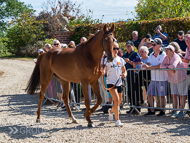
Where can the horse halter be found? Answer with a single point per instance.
(103, 41)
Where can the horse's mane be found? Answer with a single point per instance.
(91, 36)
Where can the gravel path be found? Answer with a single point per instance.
(18, 115)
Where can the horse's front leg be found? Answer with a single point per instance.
(66, 89)
(96, 90)
(87, 104)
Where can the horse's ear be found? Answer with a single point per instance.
(112, 28)
(105, 27)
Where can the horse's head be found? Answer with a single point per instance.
(108, 42)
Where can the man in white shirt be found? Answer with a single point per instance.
(158, 83)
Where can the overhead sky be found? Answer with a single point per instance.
(112, 10)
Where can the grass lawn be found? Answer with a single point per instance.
(12, 56)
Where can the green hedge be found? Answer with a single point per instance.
(123, 30)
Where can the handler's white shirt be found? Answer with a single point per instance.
(157, 75)
(114, 71)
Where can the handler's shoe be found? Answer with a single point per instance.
(179, 115)
(110, 117)
(118, 123)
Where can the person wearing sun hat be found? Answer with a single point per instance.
(158, 77)
(178, 79)
(40, 51)
(133, 89)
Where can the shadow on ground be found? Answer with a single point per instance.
(23, 104)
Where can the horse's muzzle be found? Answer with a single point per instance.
(110, 59)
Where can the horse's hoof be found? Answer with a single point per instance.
(85, 115)
(37, 120)
(75, 121)
(91, 125)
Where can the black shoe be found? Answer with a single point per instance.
(188, 113)
(162, 113)
(157, 110)
(150, 114)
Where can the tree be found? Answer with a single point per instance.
(24, 30)
(156, 9)
(10, 9)
(53, 10)
(87, 19)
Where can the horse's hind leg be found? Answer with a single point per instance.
(45, 80)
(96, 90)
(66, 89)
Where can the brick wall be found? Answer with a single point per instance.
(63, 36)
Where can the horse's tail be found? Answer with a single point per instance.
(34, 81)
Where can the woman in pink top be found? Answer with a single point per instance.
(178, 79)
(187, 54)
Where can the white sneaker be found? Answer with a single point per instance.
(118, 123)
(110, 117)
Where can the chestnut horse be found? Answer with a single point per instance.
(80, 65)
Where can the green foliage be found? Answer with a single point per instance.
(3, 46)
(123, 30)
(83, 30)
(24, 30)
(156, 9)
(12, 9)
(49, 41)
(30, 50)
(13, 56)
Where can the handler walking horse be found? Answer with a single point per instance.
(73, 65)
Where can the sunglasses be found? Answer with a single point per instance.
(115, 48)
(55, 44)
(153, 44)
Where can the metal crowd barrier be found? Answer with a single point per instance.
(135, 87)
(76, 98)
(138, 83)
